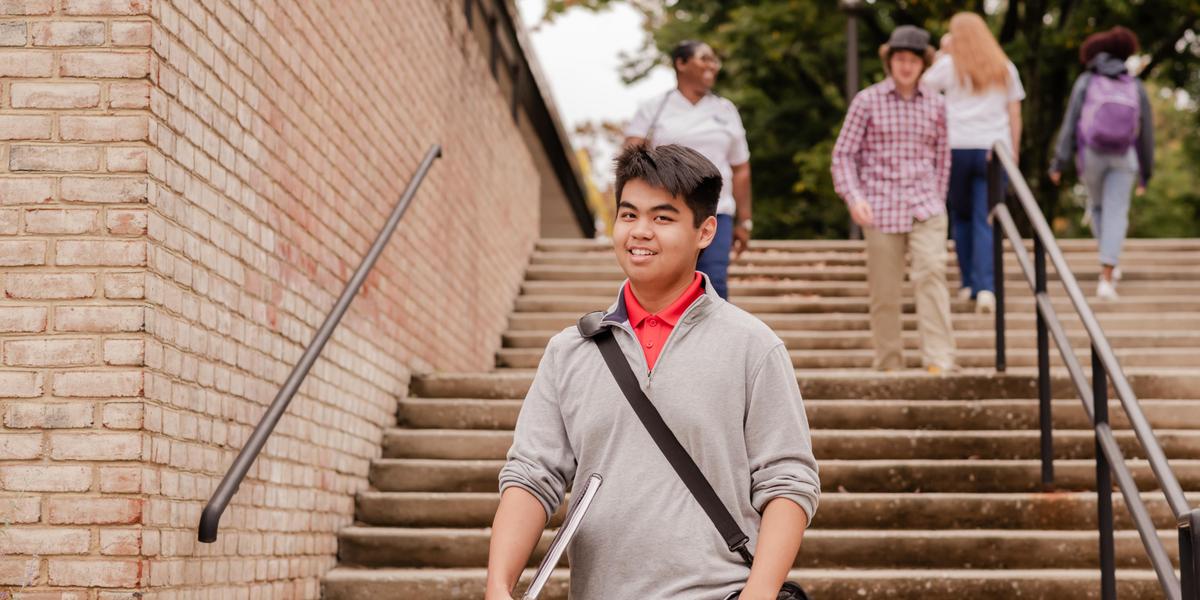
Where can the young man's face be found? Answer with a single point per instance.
(655, 238)
(906, 67)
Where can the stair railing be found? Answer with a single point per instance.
(1110, 462)
(211, 517)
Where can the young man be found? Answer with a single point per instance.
(891, 165)
(738, 413)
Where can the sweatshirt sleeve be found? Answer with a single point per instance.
(541, 460)
(1145, 142)
(1064, 146)
(777, 437)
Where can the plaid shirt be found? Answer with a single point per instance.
(893, 154)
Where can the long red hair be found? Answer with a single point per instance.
(978, 57)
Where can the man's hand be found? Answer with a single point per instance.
(741, 241)
(1055, 177)
(861, 212)
(1141, 190)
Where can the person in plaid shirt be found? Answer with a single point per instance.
(891, 165)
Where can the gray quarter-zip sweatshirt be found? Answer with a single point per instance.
(725, 385)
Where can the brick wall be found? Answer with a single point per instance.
(185, 185)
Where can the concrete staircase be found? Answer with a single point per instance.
(931, 484)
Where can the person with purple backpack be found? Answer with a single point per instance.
(1110, 130)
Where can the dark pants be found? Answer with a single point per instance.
(968, 204)
(714, 260)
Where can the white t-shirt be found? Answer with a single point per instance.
(975, 120)
(711, 127)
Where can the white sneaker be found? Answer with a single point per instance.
(1106, 290)
(985, 303)
(964, 294)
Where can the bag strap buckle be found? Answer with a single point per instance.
(740, 548)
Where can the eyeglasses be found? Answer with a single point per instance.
(710, 59)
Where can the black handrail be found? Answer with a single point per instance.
(1110, 462)
(210, 518)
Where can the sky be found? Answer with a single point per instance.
(580, 55)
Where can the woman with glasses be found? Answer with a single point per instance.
(692, 115)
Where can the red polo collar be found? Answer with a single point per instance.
(669, 315)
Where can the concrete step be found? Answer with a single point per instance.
(457, 413)
(984, 339)
(879, 476)
(743, 289)
(823, 548)
(852, 358)
(1068, 245)
(796, 258)
(960, 415)
(970, 384)
(1053, 511)
(814, 304)
(967, 415)
(345, 583)
(1131, 261)
(1015, 321)
(1082, 270)
(842, 444)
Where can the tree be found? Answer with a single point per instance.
(784, 68)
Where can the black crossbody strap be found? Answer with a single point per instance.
(674, 451)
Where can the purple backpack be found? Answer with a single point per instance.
(1111, 114)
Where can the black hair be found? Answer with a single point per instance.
(1118, 42)
(679, 170)
(684, 51)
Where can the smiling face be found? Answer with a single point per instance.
(655, 237)
(700, 69)
(906, 68)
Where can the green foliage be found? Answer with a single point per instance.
(1171, 205)
(785, 70)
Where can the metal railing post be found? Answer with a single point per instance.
(1104, 510)
(995, 197)
(1189, 558)
(1045, 418)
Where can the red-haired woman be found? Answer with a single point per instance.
(983, 108)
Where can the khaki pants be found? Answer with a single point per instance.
(885, 276)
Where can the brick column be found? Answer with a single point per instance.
(185, 186)
(74, 123)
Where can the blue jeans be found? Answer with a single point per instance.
(968, 203)
(1109, 179)
(714, 260)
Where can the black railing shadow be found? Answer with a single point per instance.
(1110, 462)
(211, 517)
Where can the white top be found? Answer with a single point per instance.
(975, 120)
(711, 127)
